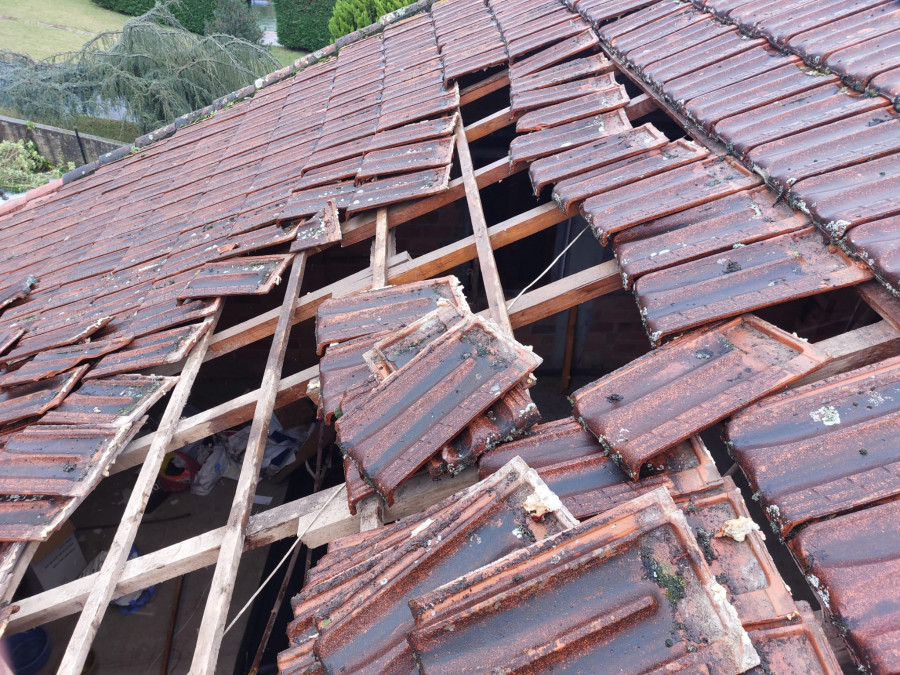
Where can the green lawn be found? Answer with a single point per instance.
(41, 28)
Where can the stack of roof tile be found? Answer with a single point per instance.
(475, 584)
(414, 380)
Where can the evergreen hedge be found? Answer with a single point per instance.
(303, 24)
(351, 15)
(192, 14)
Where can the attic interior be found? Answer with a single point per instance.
(563, 294)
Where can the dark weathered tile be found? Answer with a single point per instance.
(663, 194)
(634, 595)
(744, 279)
(687, 385)
(389, 308)
(363, 628)
(391, 433)
(823, 449)
(852, 562)
(715, 227)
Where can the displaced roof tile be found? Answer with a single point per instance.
(154, 350)
(664, 397)
(391, 433)
(619, 603)
(36, 398)
(366, 624)
(747, 278)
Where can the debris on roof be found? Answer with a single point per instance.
(396, 427)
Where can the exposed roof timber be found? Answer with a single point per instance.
(263, 529)
(120, 548)
(492, 285)
(212, 626)
(486, 86)
(533, 306)
(362, 226)
(856, 348)
(425, 266)
(882, 301)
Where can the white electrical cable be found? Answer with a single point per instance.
(283, 560)
(541, 275)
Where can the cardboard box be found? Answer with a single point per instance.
(58, 560)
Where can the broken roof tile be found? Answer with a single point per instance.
(714, 227)
(55, 361)
(510, 417)
(740, 560)
(160, 312)
(365, 626)
(664, 397)
(32, 518)
(255, 275)
(389, 308)
(157, 349)
(609, 149)
(36, 398)
(547, 444)
(823, 449)
(18, 290)
(570, 192)
(573, 109)
(9, 337)
(852, 562)
(341, 367)
(59, 460)
(664, 194)
(575, 466)
(255, 240)
(619, 603)
(38, 340)
(318, 231)
(117, 401)
(760, 274)
(794, 647)
(536, 144)
(392, 432)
